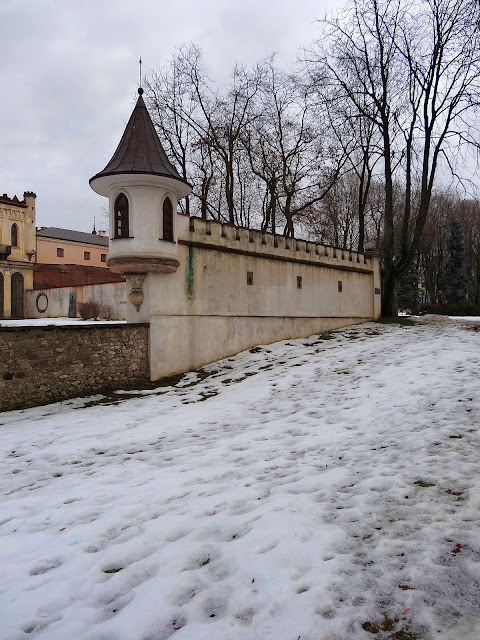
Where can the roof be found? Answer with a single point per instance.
(140, 150)
(72, 236)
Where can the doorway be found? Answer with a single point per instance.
(17, 295)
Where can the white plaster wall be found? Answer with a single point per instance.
(111, 293)
(183, 343)
(145, 223)
(207, 311)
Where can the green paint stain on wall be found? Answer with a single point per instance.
(190, 273)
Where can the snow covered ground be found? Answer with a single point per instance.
(321, 489)
(43, 322)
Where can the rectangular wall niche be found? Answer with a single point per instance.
(340, 286)
(249, 277)
(299, 282)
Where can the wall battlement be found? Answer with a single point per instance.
(251, 241)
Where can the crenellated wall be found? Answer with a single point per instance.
(236, 288)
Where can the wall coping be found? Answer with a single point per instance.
(74, 327)
(224, 236)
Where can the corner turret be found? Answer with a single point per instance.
(143, 189)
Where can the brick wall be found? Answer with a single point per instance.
(71, 275)
(40, 365)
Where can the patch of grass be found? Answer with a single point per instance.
(112, 570)
(245, 376)
(205, 561)
(406, 587)
(205, 395)
(458, 436)
(454, 493)
(424, 483)
(371, 627)
(403, 634)
(388, 624)
(256, 350)
(326, 336)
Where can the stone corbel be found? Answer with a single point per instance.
(136, 294)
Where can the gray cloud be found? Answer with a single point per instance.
(69, 72)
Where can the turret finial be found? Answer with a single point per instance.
(140, 89)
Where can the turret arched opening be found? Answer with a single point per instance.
(121, 217)
(167, 222)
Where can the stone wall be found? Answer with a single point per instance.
(45, 364)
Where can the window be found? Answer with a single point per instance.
(103, 257)
(340, 286)
(167, 220)
(249, 277)
(60, 252)
(14, 235)
(299, 282)
(86, 255)
(121, 217)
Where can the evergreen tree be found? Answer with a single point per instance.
(454, 285)
(408, 293)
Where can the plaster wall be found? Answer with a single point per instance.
(145, 195)
(111, 294)
(207, 309)
(73, 252)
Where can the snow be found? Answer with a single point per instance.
(44, 322)
(300, 490)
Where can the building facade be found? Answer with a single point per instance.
(17, 249)
(65, 246)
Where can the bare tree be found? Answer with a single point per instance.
(173, 110)
(289, 148)
(411, 69)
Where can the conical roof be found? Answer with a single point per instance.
(140, 150)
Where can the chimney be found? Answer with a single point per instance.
(102, 233)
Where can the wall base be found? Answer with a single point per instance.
(186, 343)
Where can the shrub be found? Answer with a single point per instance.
(450, 309)
(89, 309)
(106, 312)
(94, 310)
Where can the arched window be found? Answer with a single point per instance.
(121, 217)
(14, 235)
(167, 220)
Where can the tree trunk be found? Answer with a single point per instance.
(390, 295)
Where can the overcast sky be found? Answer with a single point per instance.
(69, 74)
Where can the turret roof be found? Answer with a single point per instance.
(140, 150)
